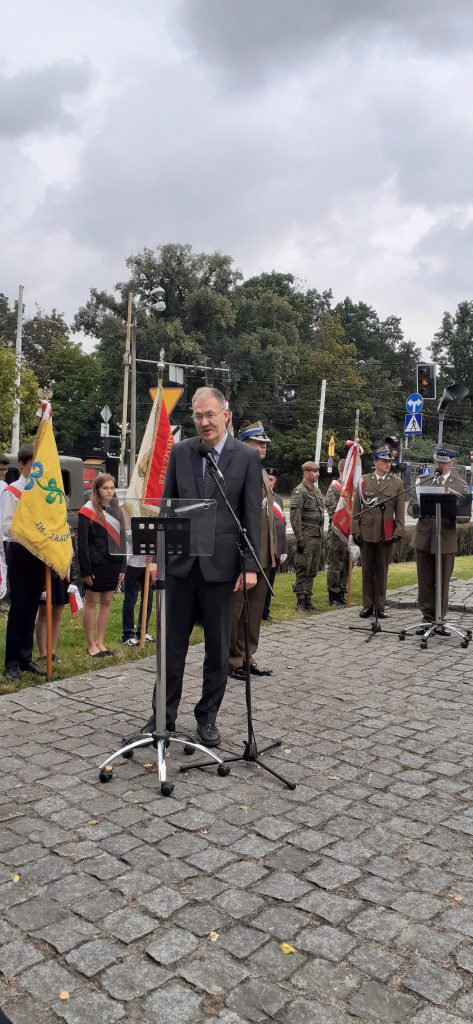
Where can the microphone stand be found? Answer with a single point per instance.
(375, 627)
(250, 752)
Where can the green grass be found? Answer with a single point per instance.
(73, 652)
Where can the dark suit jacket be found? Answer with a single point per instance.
(241, 468)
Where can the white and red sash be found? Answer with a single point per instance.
(278, 512)
(14, 490)
(109, 523)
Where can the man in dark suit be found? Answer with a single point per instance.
(203, 587)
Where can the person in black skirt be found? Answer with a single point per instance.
(101, 563)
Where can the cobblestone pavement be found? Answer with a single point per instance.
(460, 596)
(111, 893)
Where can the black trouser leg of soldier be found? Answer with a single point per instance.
(426, 584)
(368, 565)
(385, 555)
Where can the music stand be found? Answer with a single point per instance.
(440, 502)
(181, 528)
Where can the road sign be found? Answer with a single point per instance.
(413, 424)
(106, 413)
(414, 403)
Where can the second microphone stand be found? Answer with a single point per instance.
(250, 752)
(375, 627)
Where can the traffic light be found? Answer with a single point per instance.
(426, 374)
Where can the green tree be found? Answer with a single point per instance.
(28, 398)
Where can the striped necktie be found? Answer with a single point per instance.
(208, 478)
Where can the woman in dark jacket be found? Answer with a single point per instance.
(102, 565)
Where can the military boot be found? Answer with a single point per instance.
(301, 606)
(309, 607)
(333, 599)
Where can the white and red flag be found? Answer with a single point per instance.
(147, 482)
(352, 473)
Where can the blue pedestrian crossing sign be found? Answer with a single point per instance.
(413, 423)
(414, 403)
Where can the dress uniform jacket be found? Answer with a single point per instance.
(376, 531)
(307, 521)
(257, 594)
(424, 543)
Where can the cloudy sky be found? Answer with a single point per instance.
(329, 138)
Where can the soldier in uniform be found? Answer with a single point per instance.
(376, 529)
(307, 521)
(281, 538)
(424, 539)
(255, 436)
(337, 551)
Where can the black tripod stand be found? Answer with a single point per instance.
(250, 752)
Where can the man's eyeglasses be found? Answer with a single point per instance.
(198, 417)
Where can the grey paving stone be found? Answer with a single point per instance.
(418, 905)
(7, 933)
(329, 906)
(378, 890)
(103, 866)
(174, 944)
(465, 1005)
(282, 885)
(329, 982)
(381, 1005)
(35, 913)
(132, 980)
(276, 964)
(375, 961)
(92, 957)
(89, 1008)
(431, 981)
(241, 941)
(280, 921)
(27, 1010)
(66, 934)
(216, 973)
(330, 874)
(128, 924)
(242, 873)
(201, 920)
(174, 1003)
(464, 958)
(257, 1000)
(98, 905)
(46, 980)
(301, 1011)
(458, 919)
(377, 924)
(162, 902)
(431, 1015)
(324, 941)
(239, 903)
(16, 956)
(134, 883)
(427, 941)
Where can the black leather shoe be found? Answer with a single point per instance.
(12, 674)
(34, 668)
(423, 628)
(256, 671)
(441, 631)
(150, 726)
(209, 734)
(365, 613)
(237, 673)
(382, 614)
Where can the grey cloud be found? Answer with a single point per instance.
(445, 259)
(32, 101)
(250, 40)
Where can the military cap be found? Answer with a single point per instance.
(4, 460)
(383, 452)
(272, 471)
(308, 466)
(443, 453)
(254, 432)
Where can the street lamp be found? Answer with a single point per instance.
(453, 393)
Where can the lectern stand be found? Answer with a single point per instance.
(437, 502)
(181, 528)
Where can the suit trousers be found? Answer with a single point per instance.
(426, 582)
(27, 579)
(187, 601)
(375, 558)
(256, 599)
(134, 585)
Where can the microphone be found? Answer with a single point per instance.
(205, 453)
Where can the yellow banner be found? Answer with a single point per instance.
(40, 521)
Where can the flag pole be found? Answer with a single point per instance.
(144, 601)
(49, 624)
(350, 563)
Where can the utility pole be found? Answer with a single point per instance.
(318, 443)
(15, 440)
(133, 399)
(122, 472)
